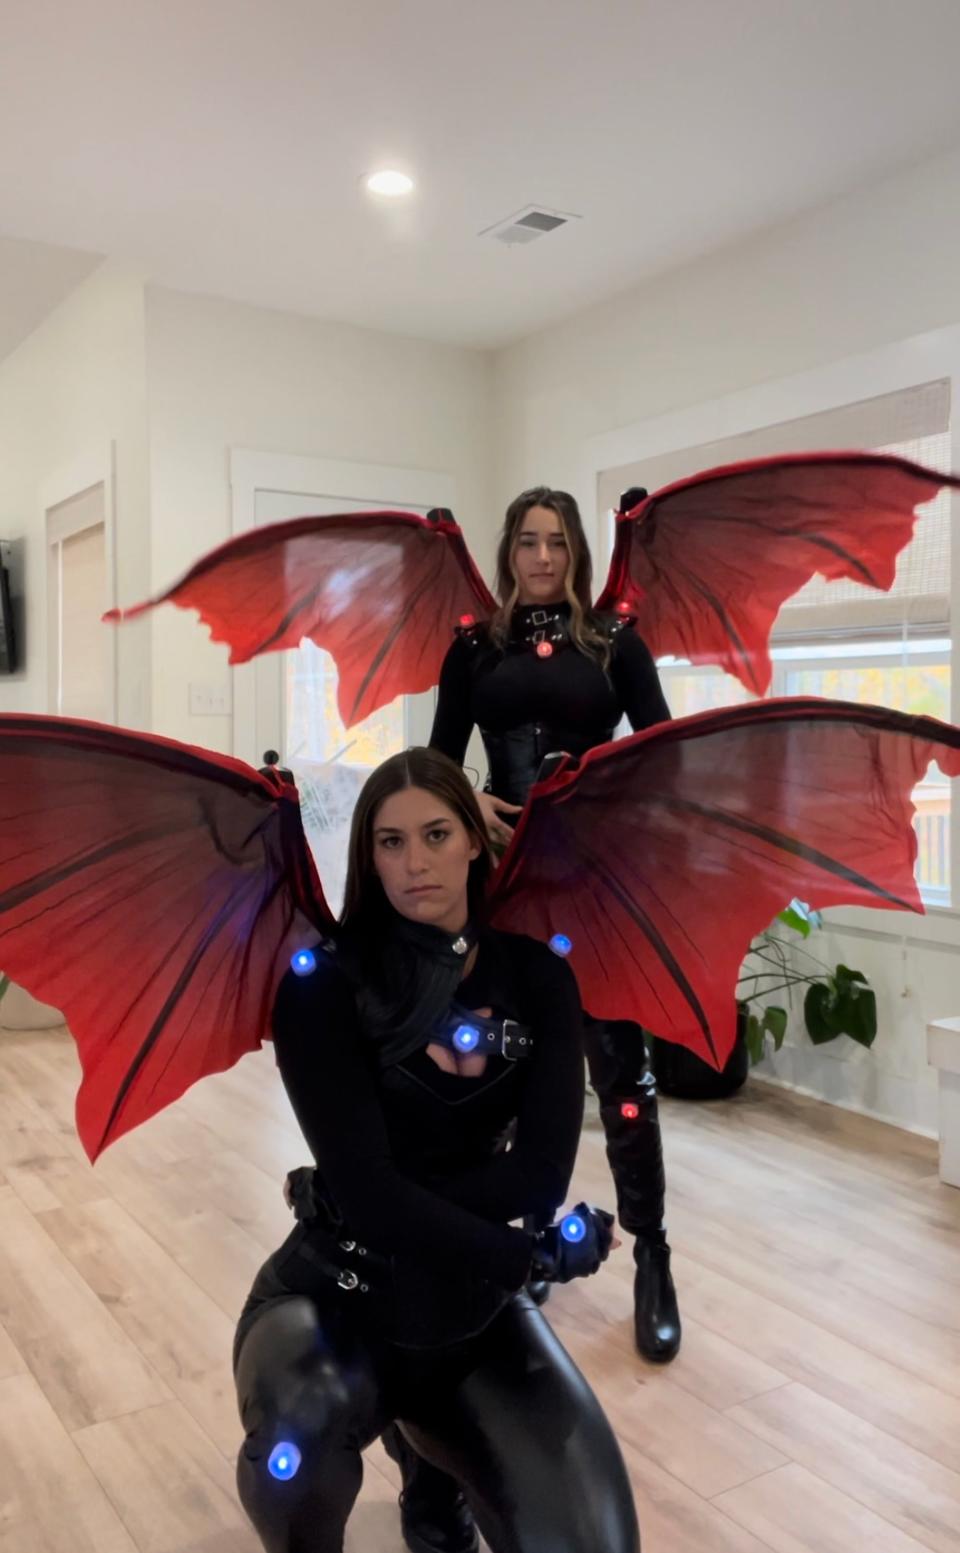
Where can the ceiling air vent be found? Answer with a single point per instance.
(525, 226)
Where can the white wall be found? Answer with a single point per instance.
(916, 979)
(72, 408)
(622, 379)
(224, 375)
(877, 266)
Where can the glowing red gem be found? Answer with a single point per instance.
(630, 1110)
(623, 608)
(544, 650)
(468, 620)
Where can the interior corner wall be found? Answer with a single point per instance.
(72, 396)
(875, 267)
(225, 375)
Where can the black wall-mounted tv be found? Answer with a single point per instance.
(8, 633)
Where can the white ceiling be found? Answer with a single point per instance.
(218, 144)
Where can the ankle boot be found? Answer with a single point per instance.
(434, 1516)
(656, 1316)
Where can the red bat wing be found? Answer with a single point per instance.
(663, 855)
(380, 591)
(706, 564)
(153, 892)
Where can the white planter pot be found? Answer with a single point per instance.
(19, 1011)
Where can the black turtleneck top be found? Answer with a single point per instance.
(565, 698)
(410, 1158)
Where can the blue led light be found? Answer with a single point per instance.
(573, 1228)
(466, 1038)
(284, 1461)
(561, 944)
(304, 962)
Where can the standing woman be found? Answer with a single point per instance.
(409, 1051)
(550, 673)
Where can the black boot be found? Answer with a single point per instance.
(434, 1516)
(656, 1316)
(627, 1092)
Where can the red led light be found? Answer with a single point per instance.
(630, 1110)
(623, 608)
(468, 620)
(544, 650)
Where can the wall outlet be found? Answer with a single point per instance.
(210, 700)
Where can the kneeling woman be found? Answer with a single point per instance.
(411, 1050)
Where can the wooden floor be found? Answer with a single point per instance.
(815, 1406)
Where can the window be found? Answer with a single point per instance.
(329, 762)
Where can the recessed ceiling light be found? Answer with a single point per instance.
(390, 183)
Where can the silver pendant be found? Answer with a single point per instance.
(460, 945)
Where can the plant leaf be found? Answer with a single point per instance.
(775, 1024)
(835, 1008)
(819, 1013)
(796, 916)
(860, 1016)
(754, 1039)
(844, 976)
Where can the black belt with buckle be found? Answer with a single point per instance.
(467, 1034)
(371, 1269)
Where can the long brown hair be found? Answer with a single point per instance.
(364, 901)
(579, 575)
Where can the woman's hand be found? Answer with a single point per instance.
(298, 1191)
(492, 808)
(470, 1065)
(568, 1250)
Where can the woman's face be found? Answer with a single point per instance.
(540, 558)
(422, 853)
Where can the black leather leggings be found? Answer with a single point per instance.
(627, 1092)
(506, 1413)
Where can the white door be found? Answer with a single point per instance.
(81, 654)
(287, 701)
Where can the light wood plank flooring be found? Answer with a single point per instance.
(815, 1406)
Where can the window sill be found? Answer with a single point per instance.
(938, 927)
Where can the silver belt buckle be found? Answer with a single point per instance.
(505, 1036)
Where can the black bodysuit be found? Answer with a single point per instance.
(529, 705)
(411, 1160)
(397, 1302)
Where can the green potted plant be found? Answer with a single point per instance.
(838, 1001)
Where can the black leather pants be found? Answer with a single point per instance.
(627, 1091)
(507, 1414)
